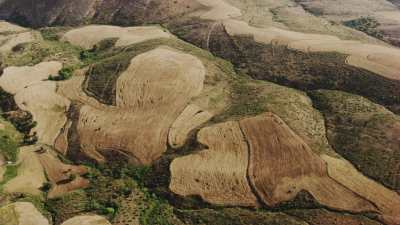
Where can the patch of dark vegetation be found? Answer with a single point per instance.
(29, 54)
(307, 71)
(322, 216)
(115, 185)
(21, 120)
(234, 216)
(102, 77)
(368, 25)
(68, 206)
(303, 200)
(11, 171)
(52, 33)
(7, 102)
(94, 54)
(245, 100)
(194, 31)
(363, 133)
(64, 74)
(9, 146)
(74, 152)
(20, 19)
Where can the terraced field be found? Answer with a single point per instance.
(189, 112)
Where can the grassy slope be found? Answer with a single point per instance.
(359, 130)
(10, 140)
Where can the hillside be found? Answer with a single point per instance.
(199, 112)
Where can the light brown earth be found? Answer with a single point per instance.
(218, 10)
(10, 41)
(15, 79)
(63, 188)
(89, 36)
(47, 108)
(217, 173)
(21, 213)
(192, 117)
(6, 27)
(72, 89)
(64, 178)
(87, 220)
(30, 173)
(145, 91)
(12, 35)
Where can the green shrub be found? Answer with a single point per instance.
(155, 211)
(11, 172)
(46, 187)
(367, 25)
(64, 74)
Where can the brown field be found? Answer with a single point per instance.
(60, 175)
(282, 165)
(218, 173)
